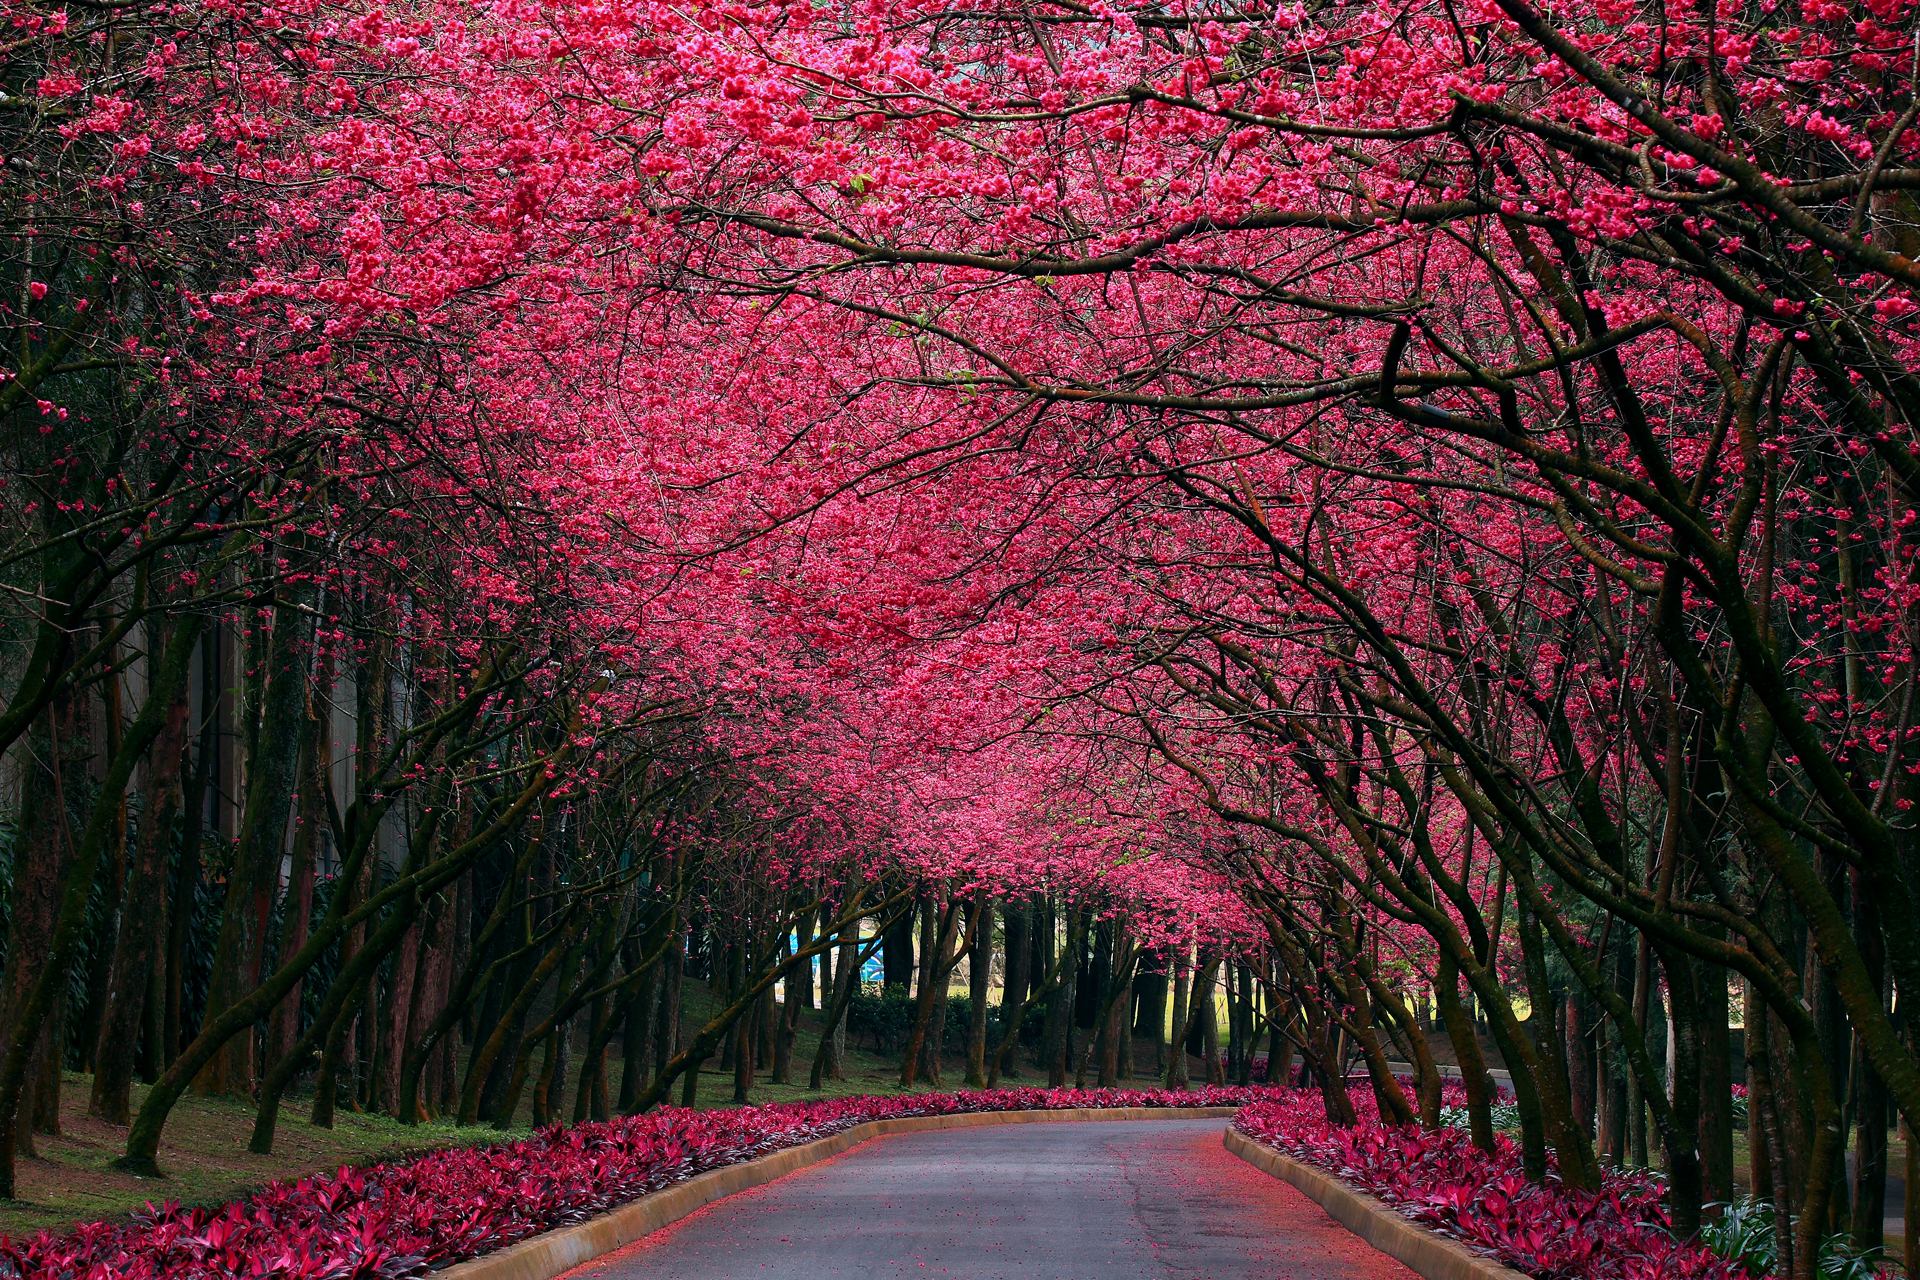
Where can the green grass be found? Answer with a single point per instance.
(203, 1152)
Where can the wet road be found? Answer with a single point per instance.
(1123, 1200)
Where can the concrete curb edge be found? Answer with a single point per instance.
(552, 1253)
(1432, 1256)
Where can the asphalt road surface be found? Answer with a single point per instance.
(1119, 1200)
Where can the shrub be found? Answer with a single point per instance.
(882, 1022)
(1505, 1115)
(1743, 1234)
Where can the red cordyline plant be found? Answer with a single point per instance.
(1440, 1180)
(392, 1220)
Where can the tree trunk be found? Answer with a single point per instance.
(846, 981)
(788, 1022)
(1576, 1038)
(937, 931)
(136, 953)
(1210, 1029)
(979, 980)
(271, 774)
(55, 763)
(1182, 997)
(1115, 1017)
(667, 1032)
(1280, 1048)
(852, 957)
(1236, 1048)
(1059, 1034)
(184, 899)
(36, 1006)
(113, 878)
(896, 954)
(394, 1011)
(345, 998)
(1151, 1023)
(800, 986)
(504, 1038)
(1716, 1085)
(1013, 993)
(764, 1030)
(742, 1040)
(1636, 1097)
(636, 1038)
(1474, 1079)
(339, 1041)
(1871, 1104)
(310, 819)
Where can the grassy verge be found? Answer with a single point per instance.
(204, 1152)
(204, 1148)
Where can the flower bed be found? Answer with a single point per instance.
(389, 1221)
(1443, 1182)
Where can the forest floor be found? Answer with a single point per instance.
(203, 1149)
(204, 1153)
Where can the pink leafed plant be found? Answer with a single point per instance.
(393, 1220)
(1442, 1181)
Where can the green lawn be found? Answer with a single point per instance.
(204, 1149)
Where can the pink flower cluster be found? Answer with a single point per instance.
(394, 1220)
(1443, 1182)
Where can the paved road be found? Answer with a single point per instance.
(1122, 1200)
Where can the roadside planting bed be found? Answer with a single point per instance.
(388, 1221)
(1440, 1180)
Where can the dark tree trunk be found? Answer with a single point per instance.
(271, 773)
(764, 1031)
(896, 954)
(1090, 976)
(1210, 1030)
(1018, 977)
(1474, 1079)
(1872, 1110)
(666, 1034)
(590, 1094)
(339, 1040)
(34, 1018)
(184, 899)
(55, 764)
(1150, 1020)
(922, 1057)
(152, 1059)
(1576, 1032)
(394, 1010)
(310, 819)
(1059, 1032)
(1280, 1048)
(1182, 997)
(1118, 1018)
(846, 981)
(136, 953)
(636, 1038)
(979, 987)
(113, 883)
(1716, 1085)
(800, 986)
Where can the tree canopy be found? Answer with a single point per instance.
(1407, 495)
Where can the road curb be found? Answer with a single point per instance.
(552, 1253)
(1432, 1256)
